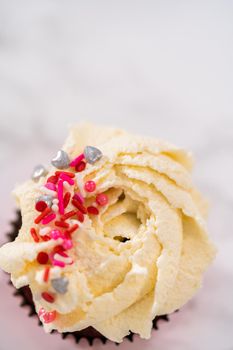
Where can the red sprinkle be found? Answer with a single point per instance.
(53, 179)
(40, 206)
(68, 215)
(48, 297)
(34, 234)
(47, 317)
(72, 228)
(45, 238)
(90, 186)
(92, 210)
(77, 160)
(80, 216)
(42, 215)
(58, 173)
(42, 258)
(61, 224)
(102, 199)
(79, 206)
(66, 199)
(46, 274)
(80, 167)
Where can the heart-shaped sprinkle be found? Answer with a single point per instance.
(61, 160)
(38, 172)
(45, 198)
(60, 285)
(92, 154)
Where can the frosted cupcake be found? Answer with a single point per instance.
(113, 234)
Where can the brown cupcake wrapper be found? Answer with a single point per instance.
(89, 333)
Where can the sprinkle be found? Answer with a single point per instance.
(55, 201)
(38, 172)
(61, 160)
(58, 173)
(79, 197)
(92, 154)
(79, 206)
(65, 177)
(46, 274)
(102, 199)
(42, 258)
(34, 235)
(44, 231)
(49, 218)
(45, 198)
(72, 228)
(55, 234)
(80, 216)
(66, 199)
(42, 215)
(68, 215)
(55, 208)
(90, 186)
(45, 238)
(48, 192)
(80, 167)
(40, 206)
(60, 285)
(61, 224)
(58, 263)
(65, 259)
(60, 197)
(47, 317)
(50, 186)
(77, 160)
(66, 185)
(53, 179)
(67, 244)
(92, 210)
(48, 297)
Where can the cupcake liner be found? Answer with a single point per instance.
(89, 333)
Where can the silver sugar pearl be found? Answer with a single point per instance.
(38, 172)
(61, 160)
(45, 198)
(60, 284)
(92, 154)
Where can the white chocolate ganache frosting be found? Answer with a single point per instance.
(113, 233)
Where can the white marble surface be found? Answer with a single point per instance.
(162, 68)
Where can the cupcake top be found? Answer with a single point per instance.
(113, 233)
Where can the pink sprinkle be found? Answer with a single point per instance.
(77, 160)
(55, 234)
(79, 197)
(48, 218)
(67, 178)
(90, 186)
(67, 244)
(50, 186)
(60, 197)
(58, 263)
(102, 199)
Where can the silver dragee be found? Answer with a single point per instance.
(61, 160)
(38, 172)
(92, 154)
(60, 285)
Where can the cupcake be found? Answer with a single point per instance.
(113, 235)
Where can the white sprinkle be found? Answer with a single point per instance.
(67, 260)
(48, 191)
(55, 208)
(55, 201)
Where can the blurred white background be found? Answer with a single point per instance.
(162, 68)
